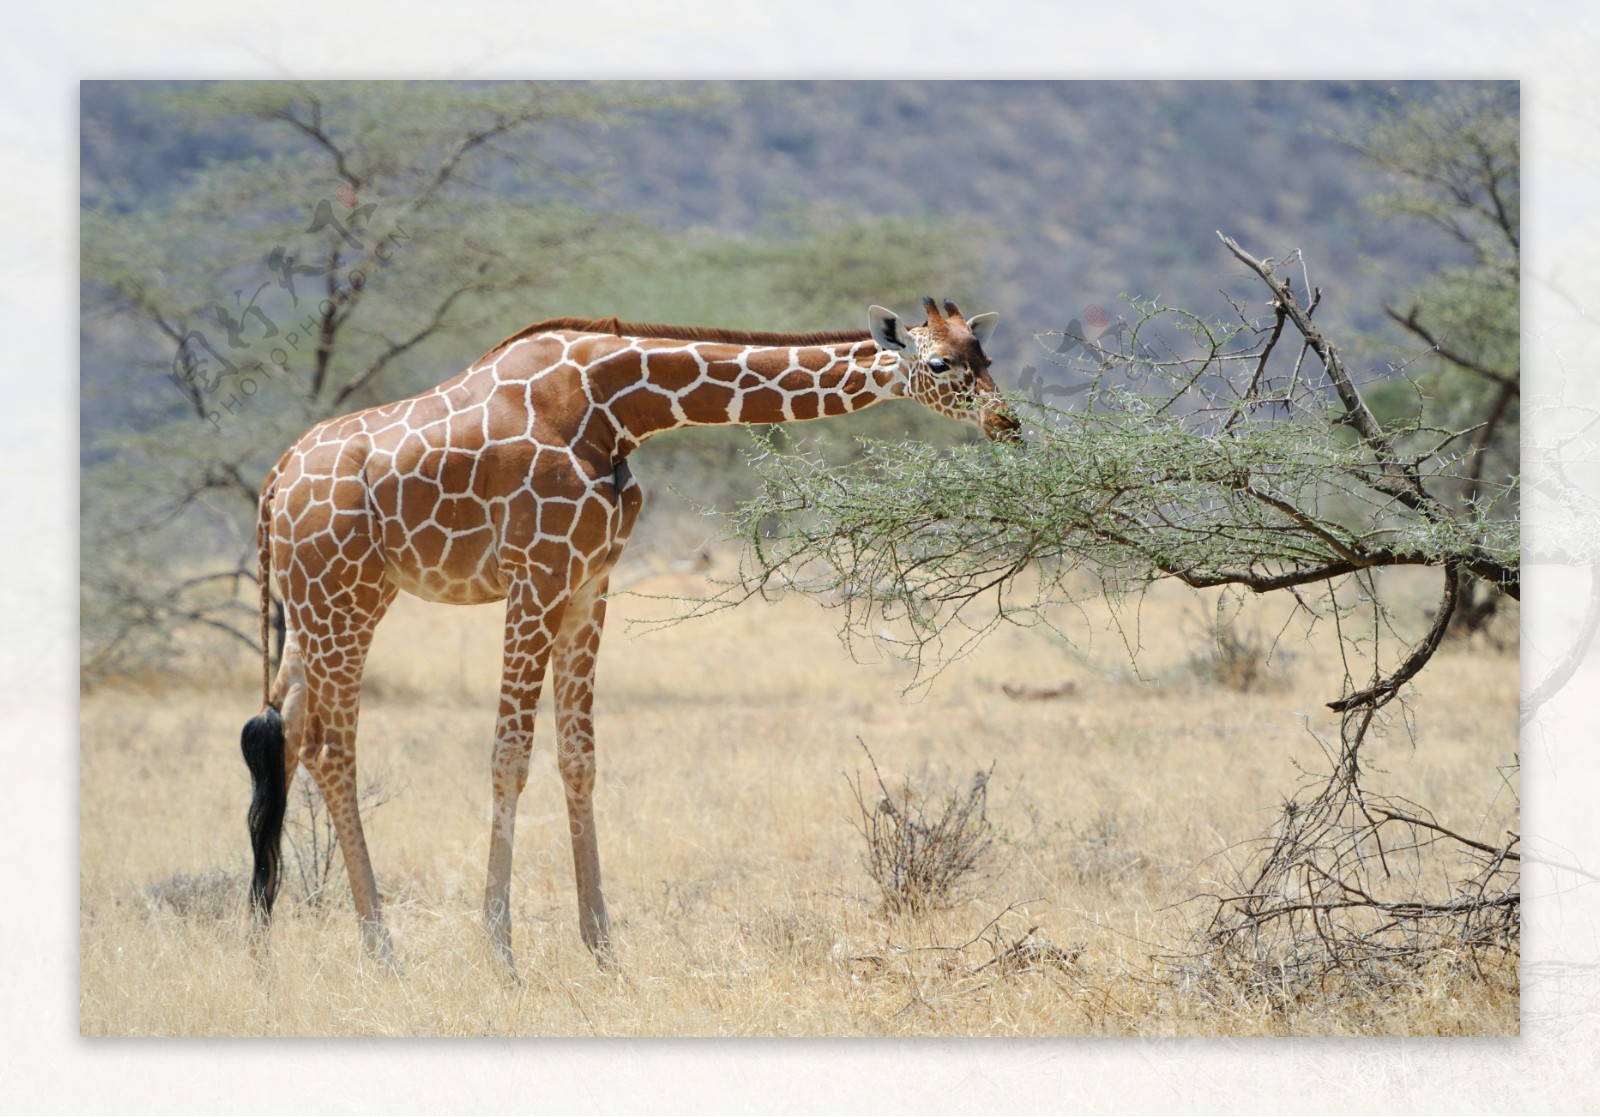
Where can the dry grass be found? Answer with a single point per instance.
(736, 882)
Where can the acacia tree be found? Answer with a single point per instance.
(1182, 467)
(371, 231)
(1239, 452)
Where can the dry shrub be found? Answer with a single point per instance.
(1361, 892)
(1235, 657)
(923, 848)
(309, 833)
(216, 896)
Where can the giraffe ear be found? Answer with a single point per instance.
(982, 326)
(885, 327)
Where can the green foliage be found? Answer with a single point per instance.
(1201, 450)
(1182, 468)
(816, 270)
(845, 264)
(1456, 162)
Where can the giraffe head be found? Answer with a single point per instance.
(944, 365)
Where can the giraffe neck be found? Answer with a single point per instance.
(650, 386)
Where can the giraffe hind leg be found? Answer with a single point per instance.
(322, 707)
(333, 767)
(534, 609)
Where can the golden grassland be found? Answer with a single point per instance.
(735, 879)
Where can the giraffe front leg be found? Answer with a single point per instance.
(574, 665)
(528, 639)
(512, 746)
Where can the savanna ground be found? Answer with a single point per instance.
(734, 874)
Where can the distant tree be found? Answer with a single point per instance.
(367, 231)
(1455, 163)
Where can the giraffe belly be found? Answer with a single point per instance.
(432, 585)
(445, 563)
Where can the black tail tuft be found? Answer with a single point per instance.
(262, 743)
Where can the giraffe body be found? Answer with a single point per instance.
(510, 482)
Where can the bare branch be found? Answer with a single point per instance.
(1355, 407)
(313, 128)
(397, 348)
(1409, 321)
(1383, 690)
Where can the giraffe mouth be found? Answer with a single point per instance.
(1000, 423)
(993, 415)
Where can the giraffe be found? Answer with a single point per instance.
(511, 481)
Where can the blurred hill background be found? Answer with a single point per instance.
(1066, 193)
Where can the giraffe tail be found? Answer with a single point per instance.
(262, 744)
(263, 572)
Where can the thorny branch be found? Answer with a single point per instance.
(1186, 471)
(1393, 476)
(1358, 890)
(1381, 691)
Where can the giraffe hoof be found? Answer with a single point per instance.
(506, 964)
(507, 969)
(605, 956)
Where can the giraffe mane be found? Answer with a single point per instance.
(682, 333)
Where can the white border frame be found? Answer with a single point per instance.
(45, 1066)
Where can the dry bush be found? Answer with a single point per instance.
(1235, 656)
(922, 849)
(216, 896)
(309, 832)
(1357, 891)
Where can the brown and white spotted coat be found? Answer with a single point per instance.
(510, 481)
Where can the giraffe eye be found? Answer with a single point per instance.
(938, 364)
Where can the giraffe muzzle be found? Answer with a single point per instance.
(1000, 423)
